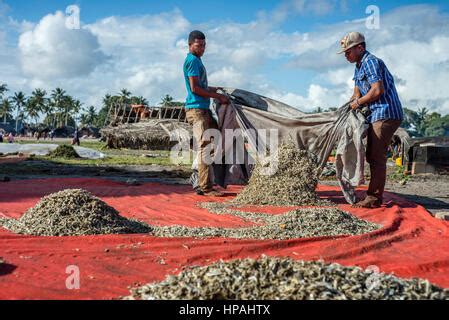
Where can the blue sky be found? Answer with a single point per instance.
(284, 49)
(199, 10)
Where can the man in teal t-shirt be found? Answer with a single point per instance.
(197, 106)
(193, 67)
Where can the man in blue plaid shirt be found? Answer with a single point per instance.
(374, 87)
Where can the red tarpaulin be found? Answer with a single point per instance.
(411, 243)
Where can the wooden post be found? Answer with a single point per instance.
(108, 115)
(129, 114)
(123, 113)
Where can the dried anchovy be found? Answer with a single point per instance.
(270, 278)
(299, 223)
(293, 182)
(64, 151)
(72, 212)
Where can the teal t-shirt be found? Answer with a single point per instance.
(193, 67)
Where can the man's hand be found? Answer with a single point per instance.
(223, 99)
(356, 95)
(377, 89)
(354, 104)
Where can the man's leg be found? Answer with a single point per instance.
(379, 138)
(201, 121)
(383, 132)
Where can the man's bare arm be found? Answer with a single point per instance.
(377, 89)
(206, 93)
(356, 94)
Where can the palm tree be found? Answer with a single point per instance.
(38, 95)
(107, 99)
(19, 100)
(139, 100)
(57, 99)
(36, 104)
(3, 89)
(88, 118)
(75, 108)
(49, 110)
(6, 109)
(32, 110)
(67, 108)
(124, 95)
(84, 119)
(421, 120)
(91, 115)
(167, 100)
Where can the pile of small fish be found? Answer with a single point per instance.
(270, 278)
(299, 223)
(289, 177)
(72, 212)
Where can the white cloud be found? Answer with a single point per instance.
(145, 54)
(51, 49)
(301, 7)
(413, 41)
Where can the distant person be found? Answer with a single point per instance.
(76, 138)
(197, 107)
(1, 137)
(375, 88)
(52, 134)
(10, 138)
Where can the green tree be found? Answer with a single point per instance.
(89, 117)
(6, 109)
(68, 108)
(167, 100)
(5, 104)
(19, 99)
(124, 95)
(57, 100)
(421, 121)
(139, 100)
(50, 113)
(104, 111)
(32, 110)
(436, 125)
(75, 109)
(36, 104)
(3, 89)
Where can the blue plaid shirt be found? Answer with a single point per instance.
(371, 70)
